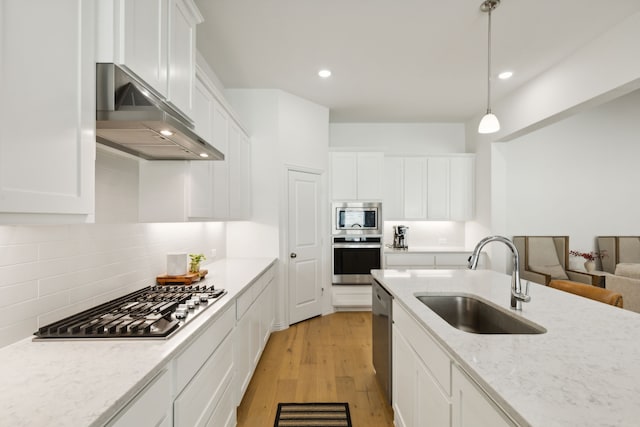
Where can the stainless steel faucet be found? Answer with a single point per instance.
(517, 297)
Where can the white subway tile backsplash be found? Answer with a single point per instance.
(33, 308)
(18, 331)
(17, 254)
(18, 273)
(51, 272)
(20, 292)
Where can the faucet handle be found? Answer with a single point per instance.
(523, 296)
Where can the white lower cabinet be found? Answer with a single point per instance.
(472, 406)
(429, 389)
(421, 376)
(151, 407)
(204, 383)
(203, 372)
(255, 318)
(431, 260)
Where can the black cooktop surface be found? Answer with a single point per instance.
(153, 312)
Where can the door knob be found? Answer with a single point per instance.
(293, 255)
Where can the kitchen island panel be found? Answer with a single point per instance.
(583, 371)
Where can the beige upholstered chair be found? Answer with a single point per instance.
(622, 267)
(546, 258)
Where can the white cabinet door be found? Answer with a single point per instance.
(239, 153)
(438, 188)
(144, 38)
(432, 405)
(357, 175)
(370, 175)
(344, 176)
(203, 110)
(415, 188)
(403, 381)
(421, 375)
(156, 40)
(472, 408)
(182, 54)
(393, 188)
(47, 123)
(462, 193)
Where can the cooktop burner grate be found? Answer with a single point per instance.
(153, 312)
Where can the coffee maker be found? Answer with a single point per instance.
(400, 237)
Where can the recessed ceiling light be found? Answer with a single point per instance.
(166, 132)
(324, 73)
(204, 155)
(505, 75)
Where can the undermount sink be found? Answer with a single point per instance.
(470, 314)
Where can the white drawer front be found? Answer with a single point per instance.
(195, 405)
(150, 407)
(459, 259)
(244, 301)
(191, 359)
(413, 260)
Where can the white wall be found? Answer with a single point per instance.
(577, 177)
(50, 272)
(399, 138)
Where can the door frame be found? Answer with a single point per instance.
(326, 306)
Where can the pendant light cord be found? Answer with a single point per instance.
(489, 62)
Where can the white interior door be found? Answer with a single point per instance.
(305, 246)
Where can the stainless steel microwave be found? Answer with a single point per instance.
(357, 218)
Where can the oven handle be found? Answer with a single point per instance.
(356, 245)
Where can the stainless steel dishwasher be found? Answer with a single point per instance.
(381, 327)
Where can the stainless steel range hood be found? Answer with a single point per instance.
(131, 117)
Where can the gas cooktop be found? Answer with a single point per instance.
(153, 312)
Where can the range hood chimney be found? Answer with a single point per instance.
(132, 117)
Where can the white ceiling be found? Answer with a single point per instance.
(395, 61)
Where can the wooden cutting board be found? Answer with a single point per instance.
(186, 280)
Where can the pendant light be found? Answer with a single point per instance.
(489, 123)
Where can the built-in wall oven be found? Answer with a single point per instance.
(357, 242)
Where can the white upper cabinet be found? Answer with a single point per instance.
(357, 175)
(239, 174)
(219, 190)
(433, 188)
(143, 40)
(184, 16)
(438, 189)
(156, 40)
(415, 188)
(393, 181)
(47, 122)
(462, 188)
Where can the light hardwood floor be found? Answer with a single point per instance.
(324, 359)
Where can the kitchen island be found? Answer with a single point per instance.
(584, 371)
(95, 382)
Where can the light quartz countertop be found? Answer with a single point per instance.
(584, 371)
(427, 249)
(86, 382)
